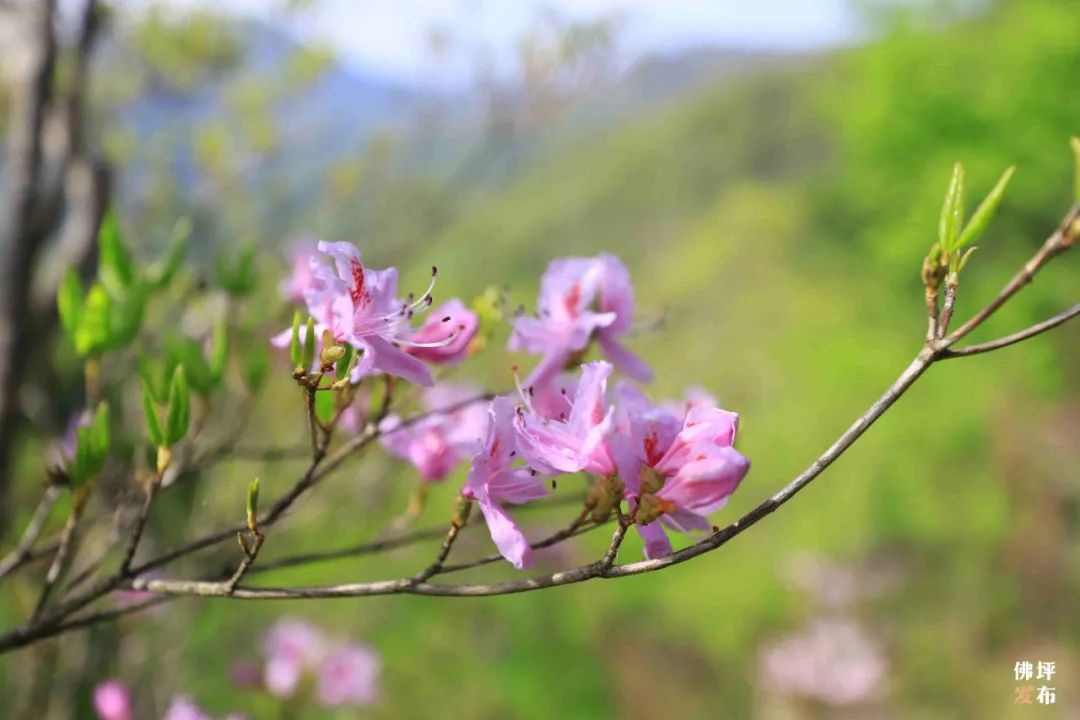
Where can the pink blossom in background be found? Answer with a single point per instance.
(493, 479)
(833, 661)
(578, 440)
(686, 468)
(184, 708)
(580, 299)
(112, 701)
(291, 646)
(344, 674)
(438, 443)
(246, 675)
(444, 338)
(300, 277)
(348, 675)
(359, 306)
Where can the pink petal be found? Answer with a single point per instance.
(507, 536)
(656, 540)
(391, 360)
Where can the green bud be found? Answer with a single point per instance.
(307, 355)
(980, 220)
(952, 210)
(650, 508)
(462, 510)
(331, 352)
(178, 413)
(295, 353)
(253, 505)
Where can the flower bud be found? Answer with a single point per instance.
(462, 509)
(650, 508)
(331, 351)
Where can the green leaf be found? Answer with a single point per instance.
(69, 302)
(219, 350)
(150, 411)
(178, 412)
(161, 272)
(91, 447)
(980, 220)
(307, 356)
(295, 353)
(345, 363)
(252, 502)
(154, 379)
(126, 317)
(116, 267)
(256, 363)
(324, 406)
(952, 210)
(92, 335)
(99, 432)
(185, 351)
(1074, 142)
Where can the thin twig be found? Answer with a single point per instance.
(1061, 240)
(250, 554)
(140, 523)
(1036, 329)
(63, 552)
(14, 559)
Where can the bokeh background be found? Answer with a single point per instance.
(771, 175)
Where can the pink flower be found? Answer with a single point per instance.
(439, 442)
(493, 480)
(580, 299)
(359, 307)
(445, 337)
(300, 277)
(675, 470)
(184, 708)
(112, 701)
(348, 676)
(290, 646)
(577, 441)
(833, 661)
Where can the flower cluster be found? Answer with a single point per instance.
(300, 663)
(672, 464)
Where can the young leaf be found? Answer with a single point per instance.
(980, 220)
(307, 356)
(324, 406)
(1075, 143)
(952, 210)
(253, 504)
(153, 426)
(99, 433)
(92, 334)
(344, 364)
(126, 317)
(161, 273)
(295, 353)
(178, 412)
(69, 302)
(256, 363)
(219, 350)
(114, 260)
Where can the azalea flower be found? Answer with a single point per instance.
(291, 646)
(675, 471)
(493, 480)
(359, 306)
(348, 676)
(580, 299)
(344, 674)
(444, 338)
(184, 708)
(442, 440)
(112, 701)
(576, 441)
(300, 276)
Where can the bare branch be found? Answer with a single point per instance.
(1036, 329)
(21, 553)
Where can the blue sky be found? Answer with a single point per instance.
(391, 36)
